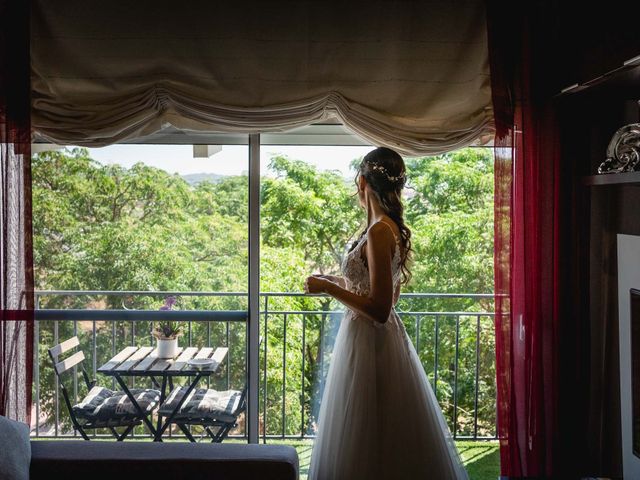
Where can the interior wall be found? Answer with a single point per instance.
(592, 216)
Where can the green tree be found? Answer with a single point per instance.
(314, 212)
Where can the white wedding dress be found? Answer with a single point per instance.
(379, 418)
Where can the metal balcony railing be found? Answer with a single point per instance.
(452, 333)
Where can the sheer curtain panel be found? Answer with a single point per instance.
(538, 385)
(16, 253)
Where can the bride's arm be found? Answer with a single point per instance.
(377, 305)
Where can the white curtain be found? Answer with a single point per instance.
(413, 76)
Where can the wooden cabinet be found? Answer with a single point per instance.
(595, 208)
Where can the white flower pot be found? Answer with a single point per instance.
(167, 347)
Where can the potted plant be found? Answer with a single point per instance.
(167, 333)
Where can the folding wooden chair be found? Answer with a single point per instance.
(216, 411)
(101, 407)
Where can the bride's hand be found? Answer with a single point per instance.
(333, 279)
(315, 284)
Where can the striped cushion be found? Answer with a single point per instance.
(103, 404)
(95, 397)
(203, 403)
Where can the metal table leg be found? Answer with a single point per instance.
(135, 403)
(163, 397)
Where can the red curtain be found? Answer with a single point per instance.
(16, 252)
(527, 247)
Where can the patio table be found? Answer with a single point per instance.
(143, 362)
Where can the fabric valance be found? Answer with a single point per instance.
(413, 76)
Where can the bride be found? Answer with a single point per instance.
(379, 418)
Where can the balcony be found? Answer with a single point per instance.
(295, 351)
(452, 333)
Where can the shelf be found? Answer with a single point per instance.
(626, 178)
(621, 81)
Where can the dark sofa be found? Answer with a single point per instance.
(147, 460)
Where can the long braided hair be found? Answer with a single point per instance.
(384, 171)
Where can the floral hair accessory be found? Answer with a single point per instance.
(382, 169)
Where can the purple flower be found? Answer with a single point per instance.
(169, 302)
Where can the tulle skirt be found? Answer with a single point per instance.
(379, 418)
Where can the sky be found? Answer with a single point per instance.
(232, 160)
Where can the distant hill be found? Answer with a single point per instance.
(196, 178)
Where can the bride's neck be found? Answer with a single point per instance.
(374, 210)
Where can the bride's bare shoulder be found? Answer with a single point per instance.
(381, 232)
(384, 225)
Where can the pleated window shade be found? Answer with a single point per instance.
(413, 76)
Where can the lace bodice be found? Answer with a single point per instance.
(355, 270)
